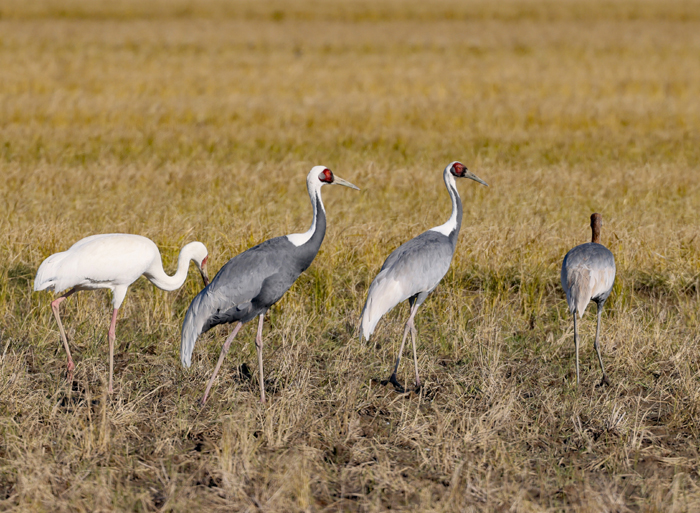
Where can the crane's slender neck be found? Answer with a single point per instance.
(157, 275)
(596, 221)
(454, 223)
(313, 237)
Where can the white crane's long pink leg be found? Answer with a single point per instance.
(54, 308)
(111, 336)
(224, 350)
(259, 348)
(409, 324)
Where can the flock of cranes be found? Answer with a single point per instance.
(251, 282)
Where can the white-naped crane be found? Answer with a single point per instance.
(588, 274)
(251, 282)
(112, 261)
(414, 269)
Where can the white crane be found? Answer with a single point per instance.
(414, 269)
(112, 261)
(588, 273)
(251, 282)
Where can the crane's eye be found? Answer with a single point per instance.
(458, 169)
(326, 176)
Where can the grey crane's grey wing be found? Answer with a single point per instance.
(602, 265)
(576, 280)
(245, 280)
(271, 289)
(427, 243)
(422, 261)
(590, 255)
(415, 267)
(228, 301)
(587, 272)
(230, 295)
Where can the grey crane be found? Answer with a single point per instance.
(414, 269)
(251, 282)
(588, 273)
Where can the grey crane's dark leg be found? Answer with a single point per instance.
(111, 336)
(259, 348)
(409, 325)
(224, 350)
(415, 356)
(54, 308)
(392, 379)
(576, 344)
(596, 345)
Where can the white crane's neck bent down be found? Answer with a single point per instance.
(453, 224)
(157, 276)
(313, 185)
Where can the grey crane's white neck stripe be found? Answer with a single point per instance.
(452, 223)
(299, 239)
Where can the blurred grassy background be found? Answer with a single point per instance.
(189, 121)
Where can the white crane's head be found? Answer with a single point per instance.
(321, 175)
(459, 170)
(197, 252)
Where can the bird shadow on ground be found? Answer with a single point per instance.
(244, 375)
(76, 397)
(427, 392)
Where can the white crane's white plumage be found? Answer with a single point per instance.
(588, 274)
(112, 261)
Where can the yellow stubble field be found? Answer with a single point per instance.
(188, 121)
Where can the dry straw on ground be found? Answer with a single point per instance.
(199, 120)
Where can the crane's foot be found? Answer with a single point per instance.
(69, 371)
(418, 388)
(604, 382)
(397, 386)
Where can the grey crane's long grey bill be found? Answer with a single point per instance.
(340, 181)
(475, 178)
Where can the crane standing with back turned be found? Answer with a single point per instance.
(588, 273)
(414, 269)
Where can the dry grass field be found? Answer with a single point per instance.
(183, 120)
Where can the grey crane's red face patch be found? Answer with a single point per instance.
(326, 176)
(459, 169)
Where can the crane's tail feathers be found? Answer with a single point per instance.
(578, 293)
(362, 335)
(371, 315)
(192, 327)
(384, 294)
(367, 327)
